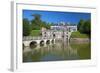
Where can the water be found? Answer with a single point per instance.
(61, 50)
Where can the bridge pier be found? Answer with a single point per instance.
(38, 41)
(45, 40)
(26, 43)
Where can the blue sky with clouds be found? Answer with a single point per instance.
(56, 17)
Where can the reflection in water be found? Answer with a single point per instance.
(61, 50)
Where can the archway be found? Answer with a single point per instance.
(48, 42)
(41, 43)
(33, 44)
(52, 40)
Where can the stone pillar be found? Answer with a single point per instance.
(38, 41)
(26, 43)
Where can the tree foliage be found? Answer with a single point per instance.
(37, 23)
(85, 26)
(26, 27)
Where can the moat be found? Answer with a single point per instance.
(58, 51)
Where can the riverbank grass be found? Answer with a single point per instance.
(35, 33)
(78, 35)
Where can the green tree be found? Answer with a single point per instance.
(80, 25)
(85, 27)
(26, 27)
(36, 22)
(46, 25)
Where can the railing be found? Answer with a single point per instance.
(25, 38)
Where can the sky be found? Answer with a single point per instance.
(57, 17)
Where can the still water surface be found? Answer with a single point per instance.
(60, 50)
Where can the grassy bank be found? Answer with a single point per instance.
(35, 33)
(78, 35)
(74, 34)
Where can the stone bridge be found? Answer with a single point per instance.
(27, 41)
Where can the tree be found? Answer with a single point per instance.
(85, 27)
(36, 22)
(80, 25)
(26, 27)
(46, 25)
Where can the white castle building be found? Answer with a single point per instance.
(69, 27)
(59, 31)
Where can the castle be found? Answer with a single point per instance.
(59, 31)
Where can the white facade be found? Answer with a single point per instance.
(72, 28)
(68, 28)
(54, 34)
(59, 31)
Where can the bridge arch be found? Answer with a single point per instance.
(48, 42)
(42, 42)
(33, 44)
(52, 41)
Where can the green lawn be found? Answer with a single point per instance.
(35, 33)
(78, 35)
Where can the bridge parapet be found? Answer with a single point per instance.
(35, 38)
